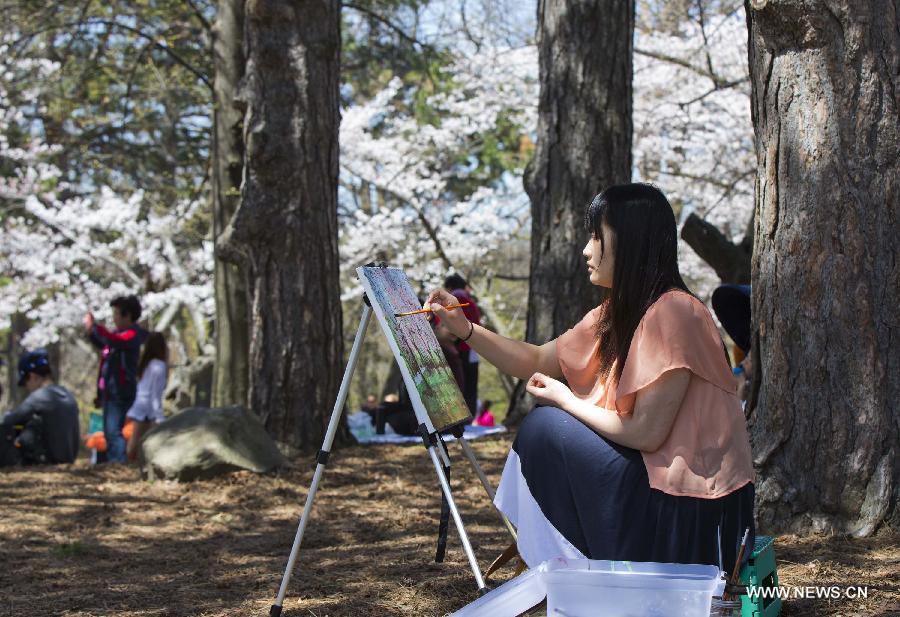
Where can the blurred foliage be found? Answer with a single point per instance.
(380, 41)
(383, 40)
(130, 103)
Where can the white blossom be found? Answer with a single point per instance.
(692, 137)
(63, 257)
(411, 166)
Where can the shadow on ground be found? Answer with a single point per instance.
(90, 541)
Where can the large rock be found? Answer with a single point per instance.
(201, 443)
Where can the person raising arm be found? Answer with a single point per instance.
(117, 375)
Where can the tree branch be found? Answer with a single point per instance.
(730, 261)
(510, 277)
(716, 87)
(709, 63)
(673, 60)
(198, 13)
(399, 30)
(726, 186)
(718, 83)
(136, 31)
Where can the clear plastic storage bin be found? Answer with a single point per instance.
(629, 589)
(589, 588)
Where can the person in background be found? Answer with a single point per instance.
(731, 304)
(485, 417)
(371, 408)
(370, 405)
(460, 289)
(117, 380)
(147, 410)
(44, 428)
(448, 341)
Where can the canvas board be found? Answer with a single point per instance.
(433, 391)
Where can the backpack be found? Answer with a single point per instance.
(24, 444)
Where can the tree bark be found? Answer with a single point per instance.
(18, 326)
(583, 146)
(824, 413)
(286, 223)
(231, 371)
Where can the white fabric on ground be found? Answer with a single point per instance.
(360, 425)
(538, 538)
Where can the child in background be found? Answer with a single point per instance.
(152, 372)
(485, 417)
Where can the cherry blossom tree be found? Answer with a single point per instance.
(429, 191)
(65, 254)
(692, 136)
(414, 215)
(67, 257)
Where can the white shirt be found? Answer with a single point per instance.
(147, 405)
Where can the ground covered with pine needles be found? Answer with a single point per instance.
(88, 541)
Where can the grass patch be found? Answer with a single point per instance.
(70, 549)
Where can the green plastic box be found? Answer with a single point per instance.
(760, 572)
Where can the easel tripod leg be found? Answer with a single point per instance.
(275, 611)
(322, 459)
(467, 450)
(467, 547)
(444, 525)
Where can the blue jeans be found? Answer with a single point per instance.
(113, 421)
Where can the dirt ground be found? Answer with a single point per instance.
(80, 540)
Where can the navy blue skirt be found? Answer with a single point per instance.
(597, 495)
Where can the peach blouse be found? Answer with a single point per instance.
(707, 452)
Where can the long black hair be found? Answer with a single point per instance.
(155, 348)
(646, 262)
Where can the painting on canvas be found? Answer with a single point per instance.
(414, 339)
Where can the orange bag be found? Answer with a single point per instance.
(128, 429)
(96, 441)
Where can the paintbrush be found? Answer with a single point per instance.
(428, 310)
(733, 580)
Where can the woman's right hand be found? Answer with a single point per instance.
(515, 358)
(455, 320)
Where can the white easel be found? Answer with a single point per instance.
(430, 438)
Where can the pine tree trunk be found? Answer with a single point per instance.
(231, 371)
(286, 224)
(826, 286)
(583, 146)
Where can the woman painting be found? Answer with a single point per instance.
(643, 453)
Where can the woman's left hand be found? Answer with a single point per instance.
(549, 391)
